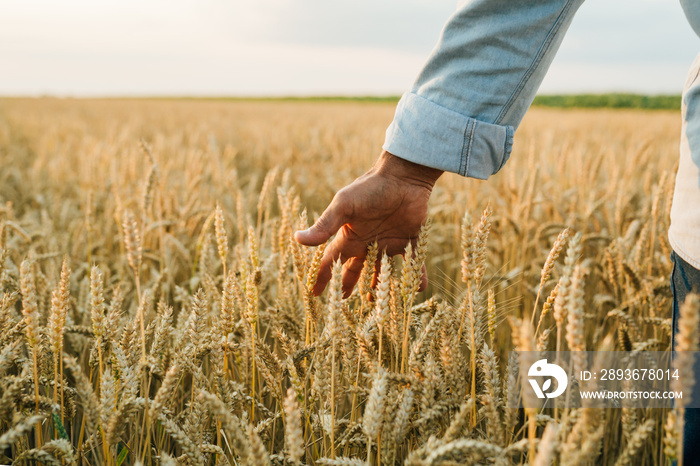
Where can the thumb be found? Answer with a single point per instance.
(326, 226)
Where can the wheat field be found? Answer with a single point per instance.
(154, 308)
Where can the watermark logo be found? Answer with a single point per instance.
(543, 369)
(603, 379)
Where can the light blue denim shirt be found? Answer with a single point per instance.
(692, 12)
(480, 80)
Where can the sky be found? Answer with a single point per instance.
(306, 47)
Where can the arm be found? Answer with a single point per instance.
(460, 117)
(692, 12)
(478, 83)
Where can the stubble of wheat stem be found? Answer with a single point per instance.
(31, 317)
(334, 322)
(548, 446)
(229, 421)
(97, 314)
(636, 443)
(671, 435)
(270, 177)
(252, 309)
(575, 337)
(382, 303)
(467, 240)
(554, 253)
(411, 277)
(526, 346)
(547, 307)
(479, 248)
(165, 392)
(559, 309)
(309, 299)
(293, 437)
(221, 238)
(188, 447)
(145, 383)
(133, 246)
(491, 312)
(374, 410)
(366, 276)
(57, 322)
(19, 429)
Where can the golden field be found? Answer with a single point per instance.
(139, 323)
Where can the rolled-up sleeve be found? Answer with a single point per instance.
(462, 112)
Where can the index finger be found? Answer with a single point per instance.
(342, 248)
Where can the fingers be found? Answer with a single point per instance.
(352, 255)
(326, 266)
(347, 246)
(351, 274)
(327, 224)
(344, 248)
(324, 275)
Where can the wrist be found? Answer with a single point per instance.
(392, 166)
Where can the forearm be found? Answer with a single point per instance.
(461, 114)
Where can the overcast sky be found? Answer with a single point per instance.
(302, 47)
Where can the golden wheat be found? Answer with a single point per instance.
(187, 321)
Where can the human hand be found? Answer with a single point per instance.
(388, 204)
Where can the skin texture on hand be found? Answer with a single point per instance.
(388, 204)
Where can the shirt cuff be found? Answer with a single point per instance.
(428, 134)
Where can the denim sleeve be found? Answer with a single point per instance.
(477, 84)
(692, 12)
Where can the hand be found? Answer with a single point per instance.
(388, 204)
